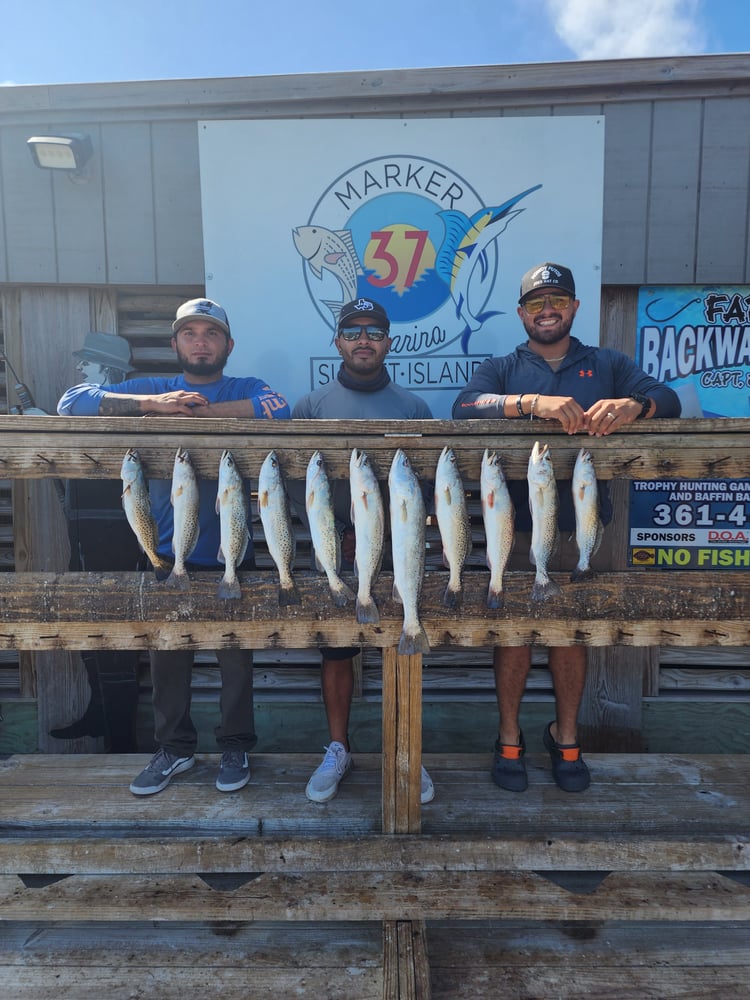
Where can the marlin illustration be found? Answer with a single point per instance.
(332, 250)
(464, 247)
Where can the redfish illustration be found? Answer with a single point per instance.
(329, 250)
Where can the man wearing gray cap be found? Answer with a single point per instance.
(202, 343)
(553, 376)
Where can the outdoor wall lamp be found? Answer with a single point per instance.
(60, 152)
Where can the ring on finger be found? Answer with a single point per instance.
(611, 416)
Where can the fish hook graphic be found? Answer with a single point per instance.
(666, 319)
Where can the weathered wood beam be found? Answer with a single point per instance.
(133, 610)
(410, 895)
(93, 447)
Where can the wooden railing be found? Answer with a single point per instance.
(489, 866)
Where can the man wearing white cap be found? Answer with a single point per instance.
(202, 343)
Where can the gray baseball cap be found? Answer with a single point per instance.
(201, 309)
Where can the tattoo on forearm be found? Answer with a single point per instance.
(119, 406)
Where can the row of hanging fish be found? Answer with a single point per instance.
(231, 506)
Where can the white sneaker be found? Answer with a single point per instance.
(324, 782)
(427, 789)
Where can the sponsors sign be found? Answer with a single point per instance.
(694, 524)
(437, 219)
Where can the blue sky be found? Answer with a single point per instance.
(83, 41)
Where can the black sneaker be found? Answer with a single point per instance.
(159, 772)
(509, 767)
(234, 771)
(568, 766)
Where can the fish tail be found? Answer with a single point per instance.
(495, 599)
(367, 612)
(178, 578)
(582, 573)
(544, 589)
(413, 642)
(453, 596)
(288, 594)
(162, 568)
(229, 588)
(341, 593)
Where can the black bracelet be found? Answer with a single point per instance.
(519, 407)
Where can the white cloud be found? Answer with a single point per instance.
(603, 29)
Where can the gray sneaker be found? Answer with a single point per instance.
(426, 788)
(234, 771)
(324, 782)
(159, 772)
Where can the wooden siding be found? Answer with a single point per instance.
(676, 185)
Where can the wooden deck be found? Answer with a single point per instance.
(640, 887)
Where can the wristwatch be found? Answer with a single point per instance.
(644, 401)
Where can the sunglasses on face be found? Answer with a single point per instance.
(534, 306)
(355, 332)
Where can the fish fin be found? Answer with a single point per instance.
(229, 589)
(396, 596)
(317, 271)
(162, 569)
(367, 612)
(241, 554)
(288, 595)
(345, 235)
(495, 599)
(220, 557)
(408, 645)
(452, 598)
(457, 225)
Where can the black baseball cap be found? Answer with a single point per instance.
(368, 308)
(547, 276)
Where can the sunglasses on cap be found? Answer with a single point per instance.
(556, 301)
(355, 332)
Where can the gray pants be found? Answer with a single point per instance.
(171, 675)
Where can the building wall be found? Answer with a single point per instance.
(676, 202)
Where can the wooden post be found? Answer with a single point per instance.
(402, 742)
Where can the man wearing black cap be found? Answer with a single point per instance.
(202, 343)
(362, 390)
(554, 376)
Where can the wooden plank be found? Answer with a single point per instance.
(678, 813)
(134, 611)
(657, 896)
(406, 973)
(92, 447)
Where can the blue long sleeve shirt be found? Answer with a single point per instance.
(587, 374)
(84, 400)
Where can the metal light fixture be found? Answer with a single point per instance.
(60, 152)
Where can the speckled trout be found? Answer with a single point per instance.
(231, 506)
(368, 518)
(589, 528)
(273, 507)
(543, 503)
(185, 504)
(498, 515)
(325, 537)
(453, 522)
(407, 541)
(137, 506)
